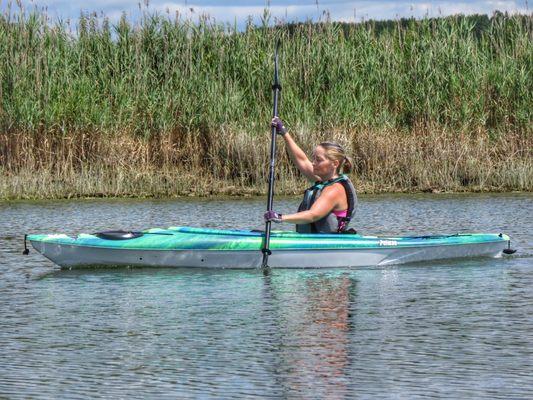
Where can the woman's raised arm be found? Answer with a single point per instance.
(296, 154)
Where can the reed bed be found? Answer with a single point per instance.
(168, 107)
(235, 163)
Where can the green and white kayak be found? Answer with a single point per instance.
(214, 248)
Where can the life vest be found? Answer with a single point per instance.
(330, 223)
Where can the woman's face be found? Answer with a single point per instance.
(322, 165)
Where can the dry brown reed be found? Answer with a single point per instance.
(228, 162)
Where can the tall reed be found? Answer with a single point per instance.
(177, 88)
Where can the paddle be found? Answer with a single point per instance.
(276, 89)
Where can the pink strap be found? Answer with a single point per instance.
(340, 214)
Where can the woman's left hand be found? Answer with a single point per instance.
(278, 124)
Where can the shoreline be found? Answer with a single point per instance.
(257, 193)
(237, 198)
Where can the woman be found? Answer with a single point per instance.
(328, 205)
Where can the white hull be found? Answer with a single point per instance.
(69, 256)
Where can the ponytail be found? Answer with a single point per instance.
(346, 166)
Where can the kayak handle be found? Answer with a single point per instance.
(508, 250)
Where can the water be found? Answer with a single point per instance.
(452, 329)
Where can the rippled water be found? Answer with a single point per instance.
(453, 329)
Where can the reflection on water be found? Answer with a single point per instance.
(452, 329)
(313, 348)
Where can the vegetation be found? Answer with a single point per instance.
(169, 107)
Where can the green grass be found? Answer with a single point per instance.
(467, 73)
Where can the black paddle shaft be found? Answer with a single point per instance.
(276, 89)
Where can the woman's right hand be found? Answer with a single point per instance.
(272, 216)
(278, 124)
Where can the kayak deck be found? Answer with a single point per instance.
(186, 238)
(216, 248)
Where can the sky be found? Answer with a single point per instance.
(238, 11)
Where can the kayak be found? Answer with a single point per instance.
(217, 248)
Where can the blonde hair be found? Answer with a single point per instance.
(335, 152)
